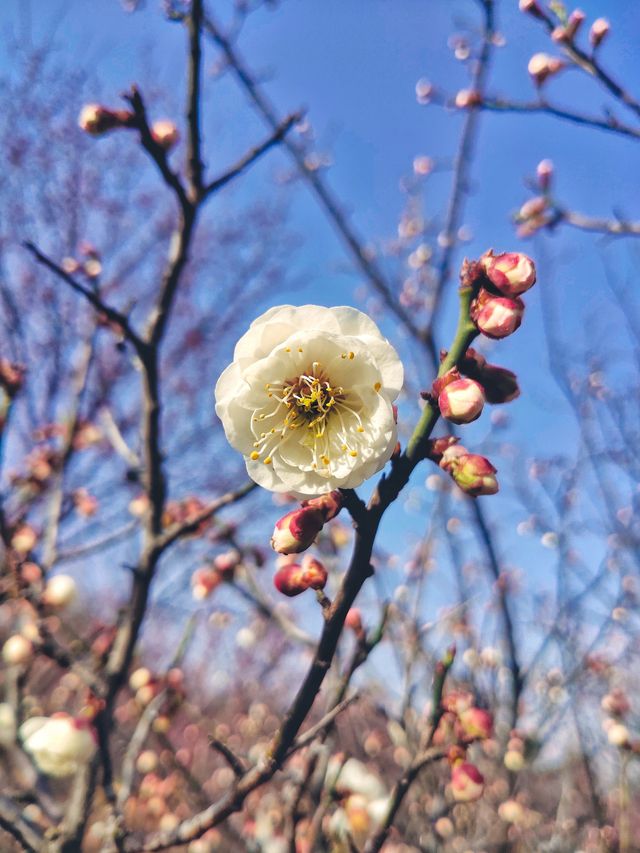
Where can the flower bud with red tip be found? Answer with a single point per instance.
(467, 782)
(512, 273)
(497, 316)
(329, 504)
(473, 473)
(531, 7)
(500, 385)
(474, 724)
(297, 530)
(568, 32)
(292, 579)
(353, 621)
(96, 120)
(598, 32)
(461, 401)
(544, 174)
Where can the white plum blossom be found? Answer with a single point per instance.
(59, 745)
(308, 399)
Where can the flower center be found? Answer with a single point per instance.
(326, 421)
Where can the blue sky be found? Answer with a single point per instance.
(353, 65)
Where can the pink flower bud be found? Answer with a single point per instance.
(497, 316)
(296, 530)
(165, 133)
(568, 32)
(329, 504)
(353, 621)
(24, 539)
(599, 31)
(461, 401)
(474, 474)
(542, 66)
(96, 120)
(227, 563)
(544, 174)
(204, 581)
(531, 7)
(616, 703)
(467, 98)
(533, 208)
(474, 723)
(314, 572)
(512, 273)
(467, 782)
(290, 580)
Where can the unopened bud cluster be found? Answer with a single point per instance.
(461, 724)
(297, 530)
(495, 284)
(96, 120)
(294, 533)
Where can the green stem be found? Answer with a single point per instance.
(465, 333)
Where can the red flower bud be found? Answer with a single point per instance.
(512, 273)
(314, 572)
(292, 579)
(599, 31)
(461, 401)
(497, 316)
(296, 530)
(473, 473)
(500, 385)
(353, 621)
(474, 723)
(204, 581)
(289, 580)
(329, 504)
(227, 563)
(467, 783)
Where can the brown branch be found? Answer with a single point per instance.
(612, 125)
(427, 754)
(93, 298)
(254, 154)
(460, 183)
(229, 756)
(177, 531)
(194, 155)
(609, 227)
(157, 153)
(591, 65)
(13, 821)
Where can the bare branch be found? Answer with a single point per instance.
(110, 313)
(254, 154)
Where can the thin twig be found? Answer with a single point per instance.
(254, 154)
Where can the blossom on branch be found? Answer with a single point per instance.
(308, 399)
(59, 745)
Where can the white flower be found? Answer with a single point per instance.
(59, 745)
(308, 399)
